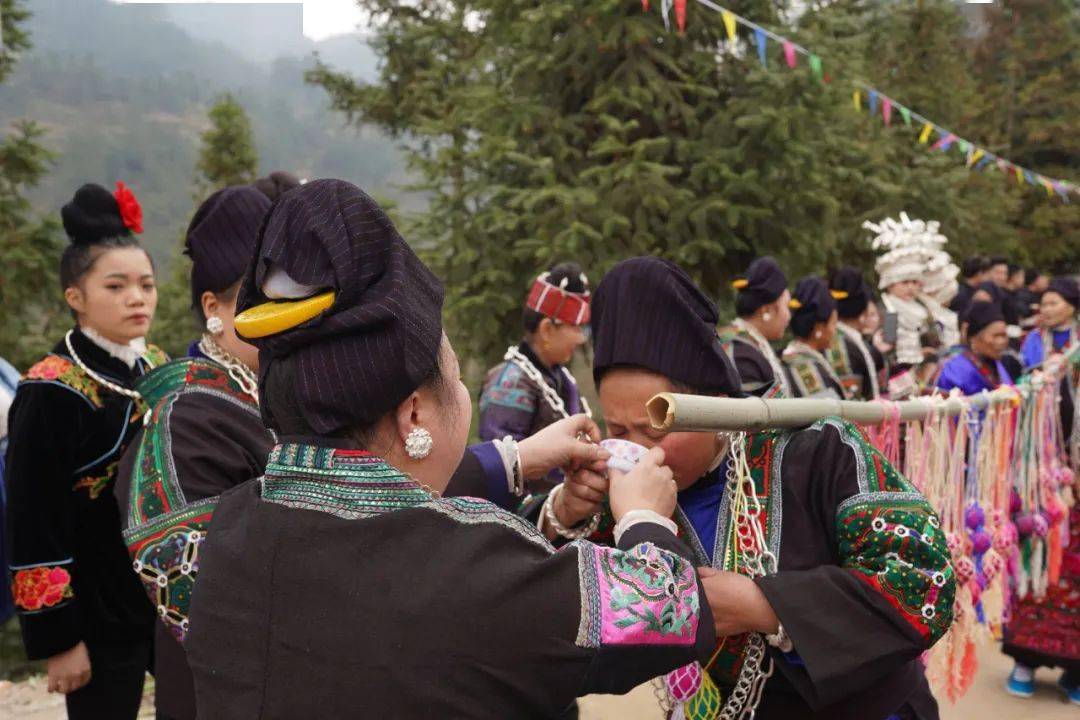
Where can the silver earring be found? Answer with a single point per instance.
(418, 443)
(214, 325)
(766, 316)
(817, 334)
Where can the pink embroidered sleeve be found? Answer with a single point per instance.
(640, 596)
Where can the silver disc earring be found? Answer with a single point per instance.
(418, 443)
(766, 316)
(214, 325)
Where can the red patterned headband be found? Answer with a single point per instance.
(558, 304)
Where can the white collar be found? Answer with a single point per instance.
(128, 354)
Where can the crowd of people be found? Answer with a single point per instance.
(289, 521)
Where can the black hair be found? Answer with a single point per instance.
(997, 260)
(802, 324)
(974, 265)
(1031, 275)
(746, 305)
(227, 295)
(277, 184)
(576, 282)
(93, 223)
(1014, 268)
(281, 411)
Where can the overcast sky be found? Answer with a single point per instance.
(322, 18)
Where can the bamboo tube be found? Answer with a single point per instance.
(675, 412)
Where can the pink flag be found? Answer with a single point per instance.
(789, 53)
(886, 111)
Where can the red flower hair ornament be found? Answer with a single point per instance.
(130, 210)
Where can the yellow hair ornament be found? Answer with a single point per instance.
(274, 317)
(839, 294)
(794, 304)
(740, 283)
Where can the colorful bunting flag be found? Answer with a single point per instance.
(760, 39)
(944, 143)
(789, 53)
(729, 24)
(976, 158)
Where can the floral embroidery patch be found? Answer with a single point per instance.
(641, 596)
(41, 588)
(54, 368)
(96, 484)
(510, 390)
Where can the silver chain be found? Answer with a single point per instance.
(550, 396)
(126, 392)
(238, 371)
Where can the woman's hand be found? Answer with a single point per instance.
(737, 603)
(583, 492)
(878, 340)
(558, 446)
(69, 670)
(649, 486)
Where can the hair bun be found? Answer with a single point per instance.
(93, 215)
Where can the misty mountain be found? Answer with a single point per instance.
(122, 92)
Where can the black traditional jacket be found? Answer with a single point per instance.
(71, 576)
(336, 587)
(203, 436)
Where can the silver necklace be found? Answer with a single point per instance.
(126, 392)
(765, 349)
(238, 371)
(550, 396)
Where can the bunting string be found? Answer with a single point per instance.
(976, 158)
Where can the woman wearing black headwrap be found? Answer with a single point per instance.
(813, 323)
(858, 363)
(851, 604)
(340, 585)
(75, 412)
(978, 367)
(204, 434)
(1057, 335)
(761, 304)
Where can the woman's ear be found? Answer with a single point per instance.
(75, 299)
(407, 416)
(210, 304)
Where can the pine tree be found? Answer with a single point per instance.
(1027, 66)
(228, 154)
(586, 130)
(227, 157)
(32, 307)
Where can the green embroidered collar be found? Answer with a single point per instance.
(346, 483)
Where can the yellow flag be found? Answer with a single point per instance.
(856, 98)
(975, 156)
(729, 23)
(924, 136)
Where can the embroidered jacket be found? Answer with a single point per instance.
(810, 377)
(203, 435)
(972, 374)
(71, 577)
(759, 376)
(858, 364)
(864, 584)
(513, 404)
(336, 587)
